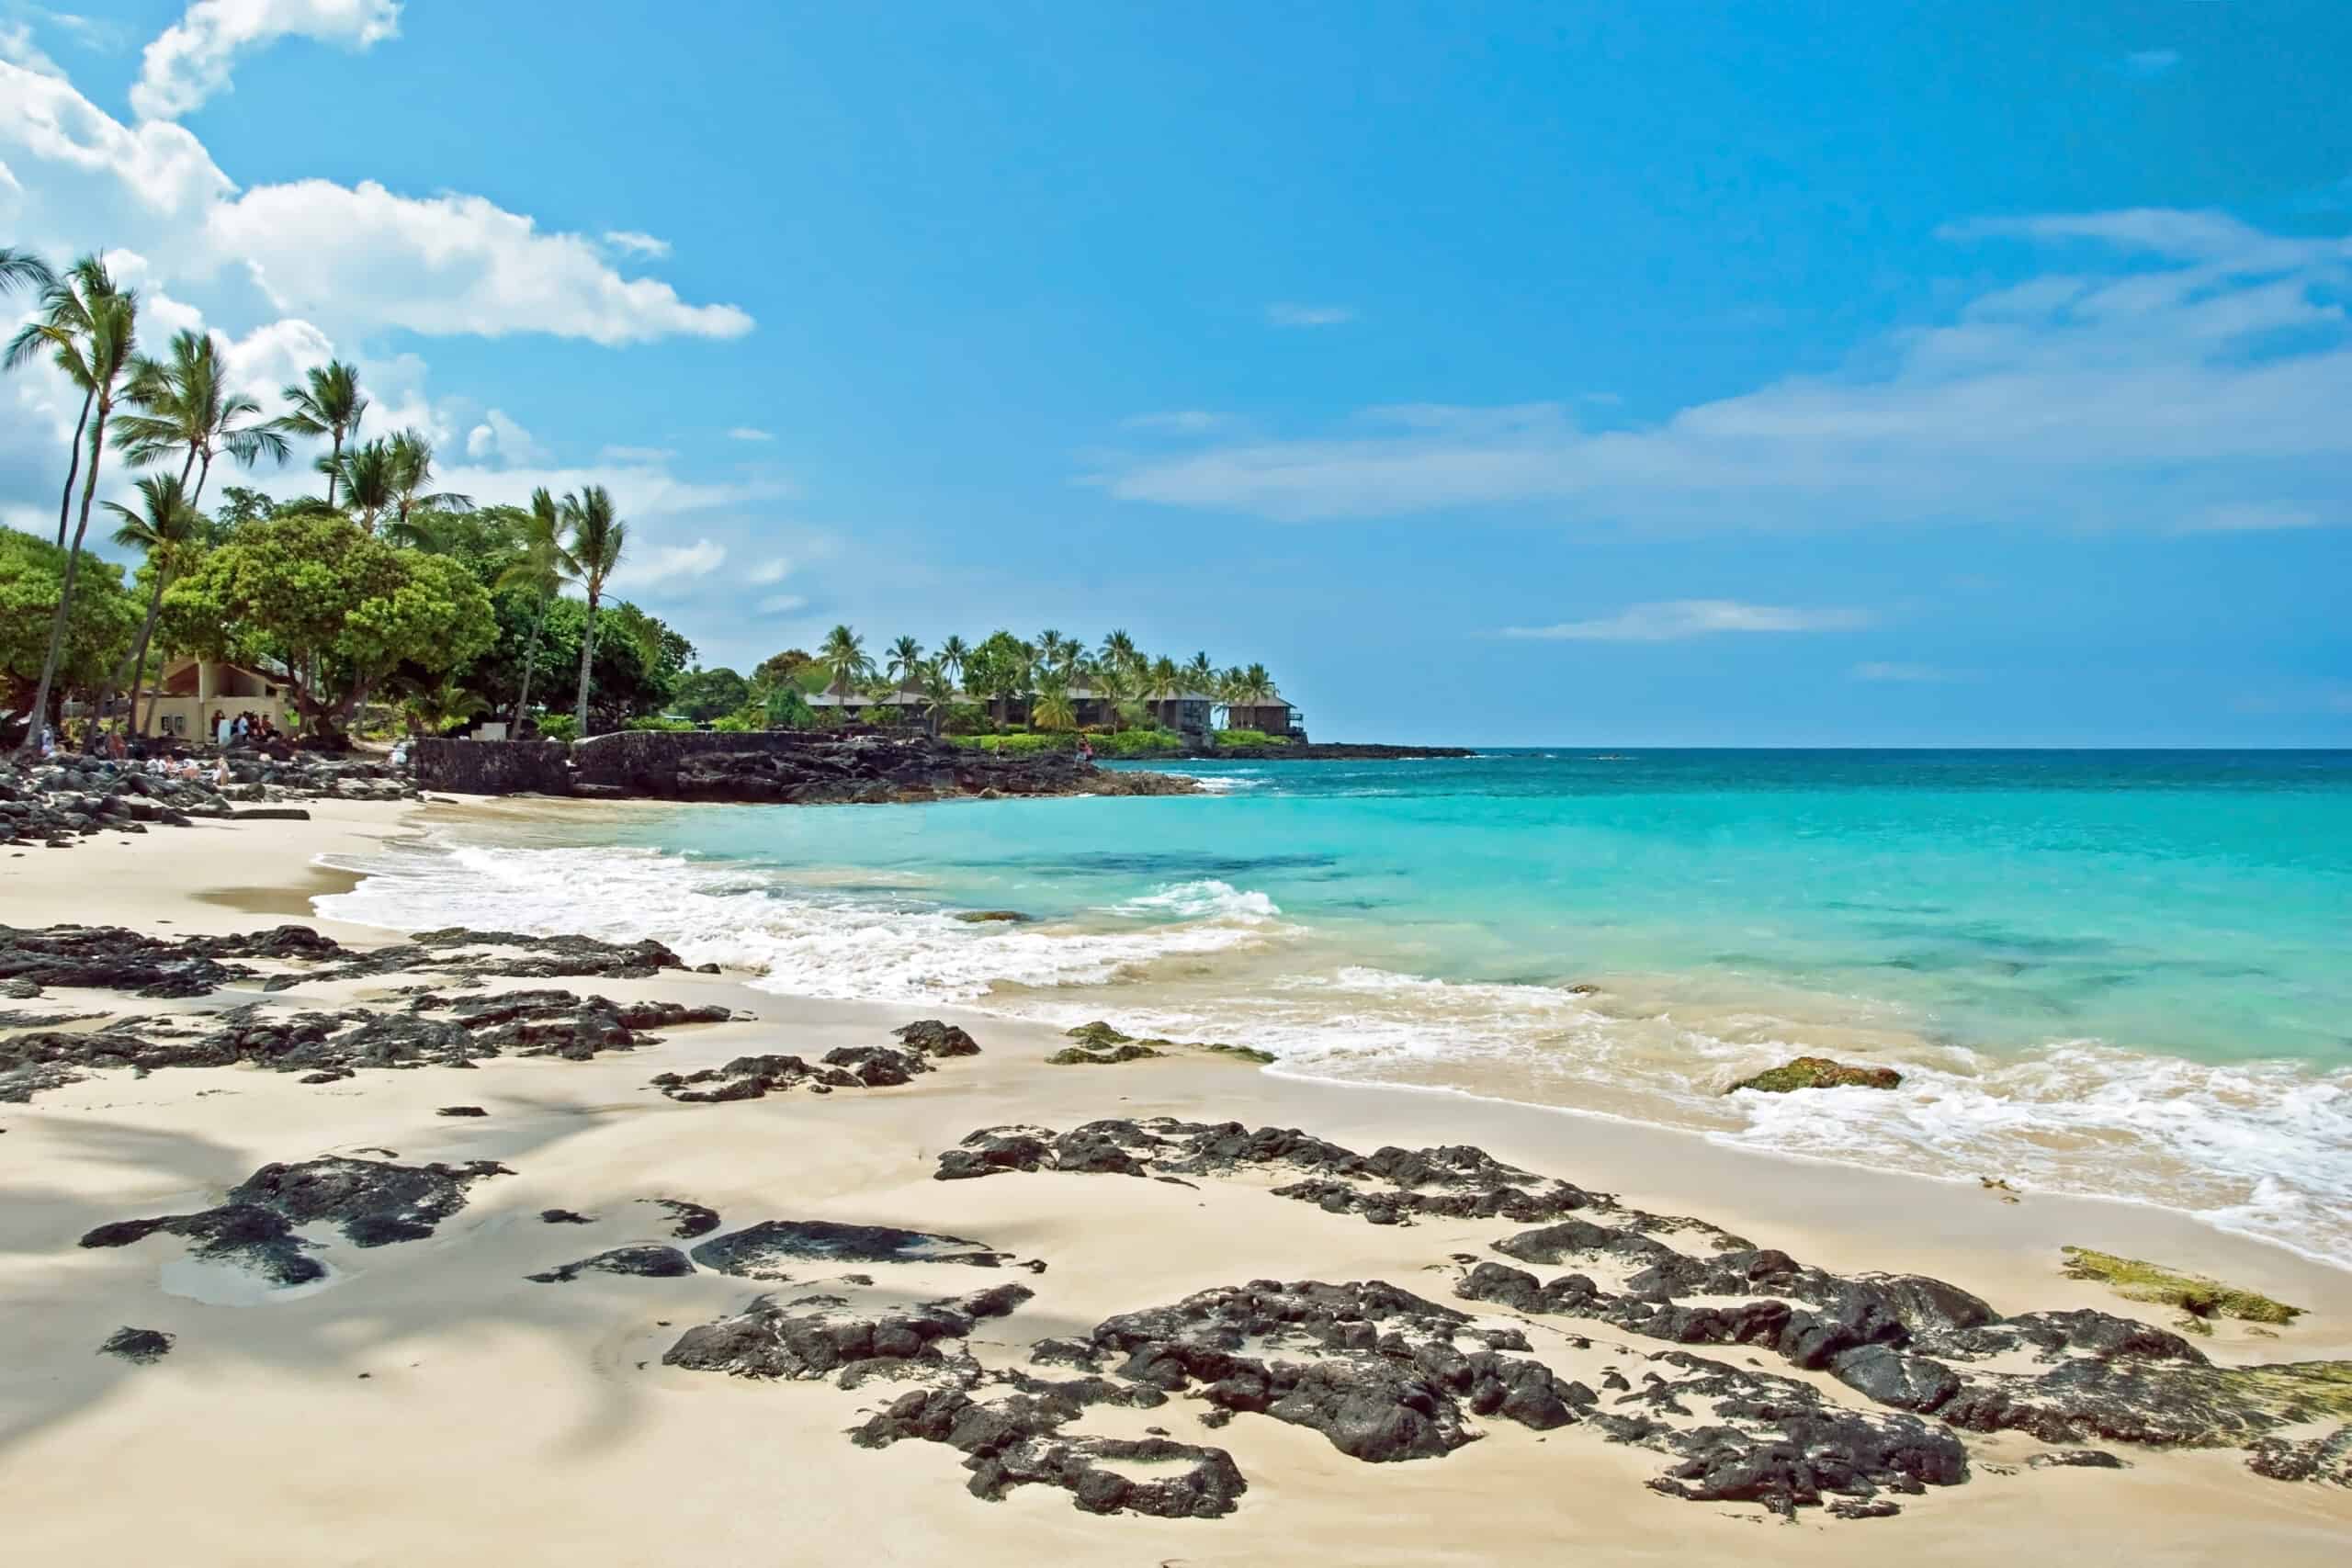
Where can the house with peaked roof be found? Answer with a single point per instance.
(1273, 717)
(190, 692)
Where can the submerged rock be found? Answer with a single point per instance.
(1817, 1072)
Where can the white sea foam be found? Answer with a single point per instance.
(2264, 1149)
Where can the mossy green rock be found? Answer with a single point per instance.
(2139, 1280)
(993, 918)
(1817, 1072)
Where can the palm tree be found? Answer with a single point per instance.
(842, 653)
(98, 362)
(1162, 684)
(906, 657)
(370, 477)
(23, 268)
(951, 656)
(328, 402)
(1050, 648)
(185, 403)
(1052, 709)
(412, 460)
(1200, 674)
(433, 708)
(598, 538)
(1114, 686)
(938, 694)
(68, 309)
(539, 572)
(166, 527)
(1119, 651)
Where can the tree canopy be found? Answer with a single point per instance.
(97, 631)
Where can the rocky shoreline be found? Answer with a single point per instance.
(72, 797)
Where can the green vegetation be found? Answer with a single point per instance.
(2199, 1298)
(1250, 738)
(1019, 744)
(1817, 1072)
(559, 727)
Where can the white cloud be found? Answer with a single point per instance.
(1180, 421)
(2252, 517)
(636, 243)
(769, 572)
(2194, 362)
(782, 604)
(645, 569)
(354, 259)
(1876, 669)
(745, 433)
(16, 46)
(1672, 620)
(499, 439)
(1287, 314)
(191, 59)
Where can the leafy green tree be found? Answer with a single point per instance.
(99, 360)
(705, 694)
(239, 504)
(786, 708)
(622, 686)
(327, 402)
(1053, 710)
(433, 708)
(780, 669)
(332, 608)
(595, 539)
(183, 403)
(169, 531)
(67, 316)
(32, 578)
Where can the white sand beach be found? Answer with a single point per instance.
(426, 1402)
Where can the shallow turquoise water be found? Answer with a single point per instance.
(2118, 972)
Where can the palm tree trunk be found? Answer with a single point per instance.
(587, 647)
(138, 653)
(530, 659)
(202, 474)
(65, 591)
(332, 473)
(72, 468)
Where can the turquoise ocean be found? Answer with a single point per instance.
(2127, 974)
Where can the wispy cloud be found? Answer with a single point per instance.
(636, 243)
(746, 433)
(2145, 64)
(667, 564)
(2181, 362)
(1285, 314)
(769, 572)
(191, 59)
(1672, 620)
(1876, 669)
(782, 604)
(1178, 422)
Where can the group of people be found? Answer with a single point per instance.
(246, 728)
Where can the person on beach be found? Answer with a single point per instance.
(219, 727)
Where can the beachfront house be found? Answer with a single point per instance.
(1273, 717)
(904, 706)
(190, 692)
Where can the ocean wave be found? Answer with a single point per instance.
(1207, 899)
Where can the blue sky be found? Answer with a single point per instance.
(1636, 375)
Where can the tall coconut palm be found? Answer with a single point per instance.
(597, 537)
(906, 659)
(412, 460)
(1161, 683)
(61, 331)
(184, 402)
(537, 571)
(167, 528)
(99, 361)
(953, 653)
(328, 402)
(23, 269)
(842, 653)
(1200, 675)
(369, 475)
(938, 694)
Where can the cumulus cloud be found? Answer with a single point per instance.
(636, 243)
(1285, 314)
(191, 59)
(643, 571)
(746, 433)
(499, 440)
(354, 259)
(2182, 361)
(1672, 620)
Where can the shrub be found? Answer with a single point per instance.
(661, 722)
(732, 724)
(1138, 743)
(559, 727)
(1250, 738)
(1017, 745)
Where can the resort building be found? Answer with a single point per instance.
(1273, 717)
(189, 692)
